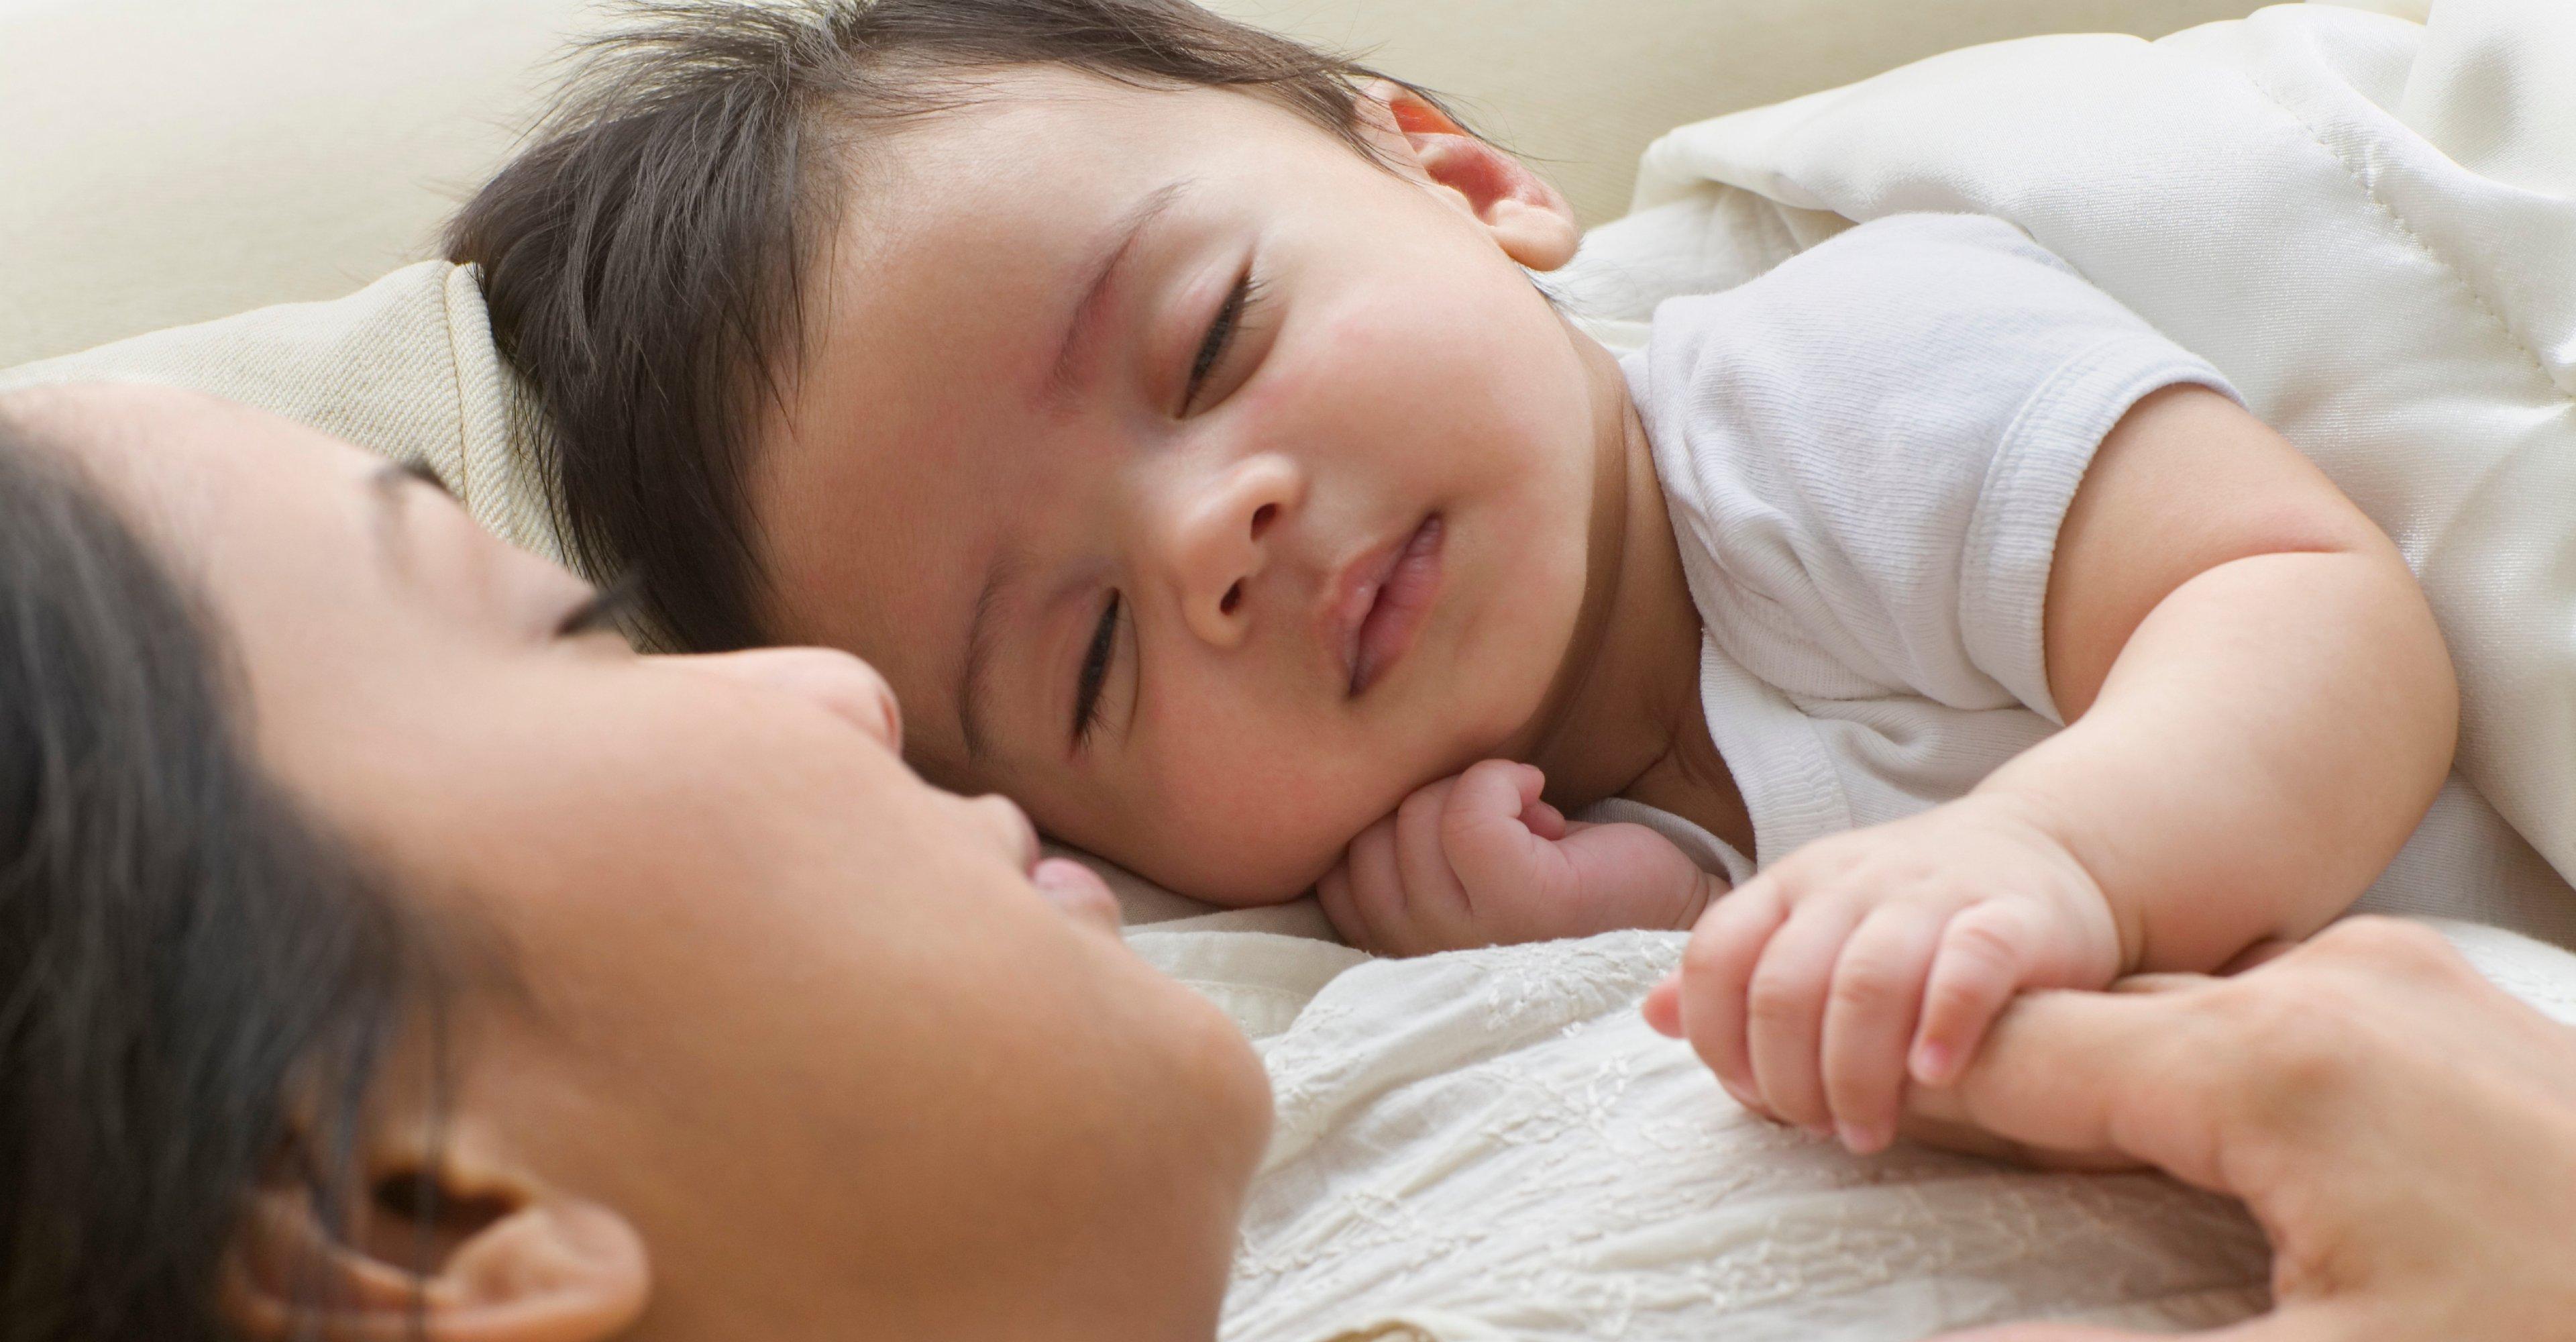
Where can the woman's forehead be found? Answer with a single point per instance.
(185, 465)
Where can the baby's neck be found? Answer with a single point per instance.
(1624, 718)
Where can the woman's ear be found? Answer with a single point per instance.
(1527, 215)
(480, 1267)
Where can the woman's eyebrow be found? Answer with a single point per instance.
(1071, 359)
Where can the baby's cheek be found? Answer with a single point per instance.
(1263, 846)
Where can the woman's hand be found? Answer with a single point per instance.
(1480, 860)
(2405, 1132)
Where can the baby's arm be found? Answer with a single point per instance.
(1479, 860)
(2260, 710)
(2260, 705)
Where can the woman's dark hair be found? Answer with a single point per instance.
(195, 985)
(642, 260)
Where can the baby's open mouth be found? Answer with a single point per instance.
(1385, 608)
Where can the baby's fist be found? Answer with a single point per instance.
(1480, 860)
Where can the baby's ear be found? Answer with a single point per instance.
(1526, 215)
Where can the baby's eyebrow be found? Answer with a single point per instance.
(1069, 362)
(982, 634)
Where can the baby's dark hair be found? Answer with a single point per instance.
(644, 259)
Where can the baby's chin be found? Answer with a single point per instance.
(1237, 888)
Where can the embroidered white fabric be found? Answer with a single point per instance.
(1491, 1144)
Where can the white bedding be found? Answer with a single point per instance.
(1490, 1144)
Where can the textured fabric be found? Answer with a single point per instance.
(2368, 225)
(1491, 1144)
(1868, 451)
(1866, 454)
(404, 367)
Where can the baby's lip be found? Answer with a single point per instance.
(1353, 591)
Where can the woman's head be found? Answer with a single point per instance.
(1085, 364)
(196, 986)
(787, 1043)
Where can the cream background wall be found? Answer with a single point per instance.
(168, 161)
(1582, 85)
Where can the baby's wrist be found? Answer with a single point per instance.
(1704, 891)
(2045, 826)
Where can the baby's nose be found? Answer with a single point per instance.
(1223, 540)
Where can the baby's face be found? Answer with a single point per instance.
(1198, 483)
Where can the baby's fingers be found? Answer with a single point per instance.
(1488, 844)
(1785, 1010)
(1869, 1021)
(1432, 892)
(1364, 896)
(1717, 968)
(1983, 960)
(1663, 1007)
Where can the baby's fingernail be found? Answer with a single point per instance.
(1861, 1139)
(1932, 1064)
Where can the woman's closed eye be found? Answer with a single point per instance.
(604, 611)
(1095, 672)
(1220, 337)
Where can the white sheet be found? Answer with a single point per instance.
(1491, 1144)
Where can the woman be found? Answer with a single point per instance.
(697, 917)
(656, 1000)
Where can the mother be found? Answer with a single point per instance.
(386, 956)
(727, 991)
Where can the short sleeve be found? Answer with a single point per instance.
(1868, 451)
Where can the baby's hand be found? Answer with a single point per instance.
(1814, 989)
(1479, 860)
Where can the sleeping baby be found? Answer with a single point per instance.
(1169, 412)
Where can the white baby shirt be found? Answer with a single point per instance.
(1867, 453)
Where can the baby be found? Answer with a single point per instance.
(1167, 410)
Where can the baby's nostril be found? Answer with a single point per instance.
(1261, 517)
(1233, 598)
